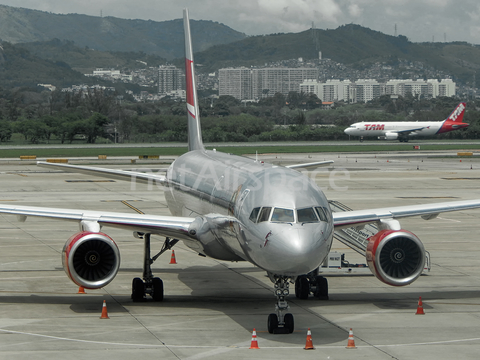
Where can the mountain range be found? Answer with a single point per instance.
(81, 42)
(165, 39)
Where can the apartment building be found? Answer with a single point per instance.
(364, 90)
(269, 81)
(170, 78)
(236, 82)
(331, 90)
(248, 84)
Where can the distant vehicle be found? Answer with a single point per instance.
(403, 130)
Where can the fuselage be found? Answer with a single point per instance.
(280, 219)
(379, 129)
(424, 128)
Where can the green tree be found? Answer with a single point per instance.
(94, 127)
(32, 130)
(5, 130)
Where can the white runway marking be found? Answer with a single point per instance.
(221, 349)
(457, 221)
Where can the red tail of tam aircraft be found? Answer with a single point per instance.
(455, 120)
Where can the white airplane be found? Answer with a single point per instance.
(402, 130)
(234, 208)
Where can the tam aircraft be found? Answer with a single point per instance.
(403, 130)
(235, 208)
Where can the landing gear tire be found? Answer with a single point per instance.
(321, 291)
(272, 323)
(150, 285)
(157, 289)
(302, 287)
(289, 323)
(138, 290)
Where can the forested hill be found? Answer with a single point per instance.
(165, 39)
(349, 44)
(217, 46)
(18, 67)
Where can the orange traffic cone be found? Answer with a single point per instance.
(81, 290)
(309, 343)
(420, 307)
(173, 260)
(351, 340)
(254, 344)
(104, 311)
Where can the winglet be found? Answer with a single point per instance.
(194, 130)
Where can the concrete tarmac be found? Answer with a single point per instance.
(211, 307)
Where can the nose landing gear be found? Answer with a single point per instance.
(280, 323)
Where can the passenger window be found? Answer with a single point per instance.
(283, 215)
(254, 214)
(265, 214)
(306, 215)
(321, 214)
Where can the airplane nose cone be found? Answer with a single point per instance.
(295, 251)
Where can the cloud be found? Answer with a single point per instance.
(354, 10)
(419, 20)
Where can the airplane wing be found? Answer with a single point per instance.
(408, 131)
(169, 226)
(426, 211)
(134, 176)
(310, 165)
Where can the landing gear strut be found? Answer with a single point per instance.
(150, 285)
(311, 283)
(280, 323)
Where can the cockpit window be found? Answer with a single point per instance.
(254, 214)
(306, 215)
(283, 215)
(265, 214)
(321, 214)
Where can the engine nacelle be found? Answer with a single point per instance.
(396, 257)
(391, 136)
(91, 259)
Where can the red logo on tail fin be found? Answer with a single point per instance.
(457, 114)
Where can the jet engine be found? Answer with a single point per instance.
(91, 259)
(396, 257)
(391, 136)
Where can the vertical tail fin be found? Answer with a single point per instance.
(194, 130)
(457, 114)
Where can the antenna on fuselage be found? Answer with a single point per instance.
(193, 114)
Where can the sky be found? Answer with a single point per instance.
(419, 20)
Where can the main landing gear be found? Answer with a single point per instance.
(150, 285)
(311, 283)
(280, 323)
